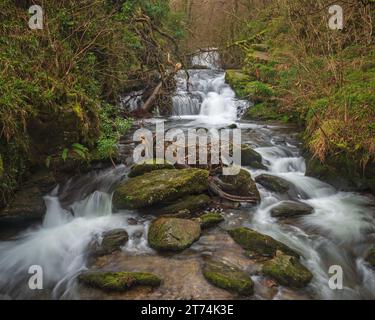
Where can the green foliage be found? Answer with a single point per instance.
(56, 83)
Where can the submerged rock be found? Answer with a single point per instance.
(273, 183)
(287, 271)
(191, 204)
(210, 219)
(118, 281)
(370, 257)
(240, 185)
(112, 241)
(251, 158)
(290, 209)
(148, 166)
(228, 277)
(159, 186)
(259, 244)
(173, 234)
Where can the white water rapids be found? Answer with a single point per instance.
(339, 232)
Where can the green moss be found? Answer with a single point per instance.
(173, 234)
(148, 166)
(251, 158)
(258, 91)
(228, 277)
(190, 203)
(263, 111)
(118, 281)
(238, 81)
(287, 271)
(159, 186)
(210, 219)
(258, 243)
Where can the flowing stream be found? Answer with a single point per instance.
(338, 232)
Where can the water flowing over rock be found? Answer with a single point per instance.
(173, 234)
(159, 186)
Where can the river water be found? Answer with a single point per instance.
(338, 232)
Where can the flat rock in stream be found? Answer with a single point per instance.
(173, 234)
(290, 209)
(228, 277)
(258, 244)
(273, 183)
(287, 271)
(118, 281)
(159, 187)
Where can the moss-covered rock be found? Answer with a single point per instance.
(192, 204)
(228, 277)
(290, 209)
(210, 219)
(273, 183)
(112, 240)
(259, 244)
(159, 186)
(370, 257)
(287, 271)
(118, 281)
(251, 158)
(240, 185)
(264, 111)
(148, 166)
(173, 234)
(238, 81)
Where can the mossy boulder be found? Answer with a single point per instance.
(228, 277)
(159, 186)
(210, 219)
(287, 271)
(192, 204)
(290, 209)
(173, 234)
(148, 166)
(112, 241)
(118, 281)
(266, 110)
(240, 185)
(238, 81)
(370, 257)
(251, 158)
(258, 244)
(273, 183)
